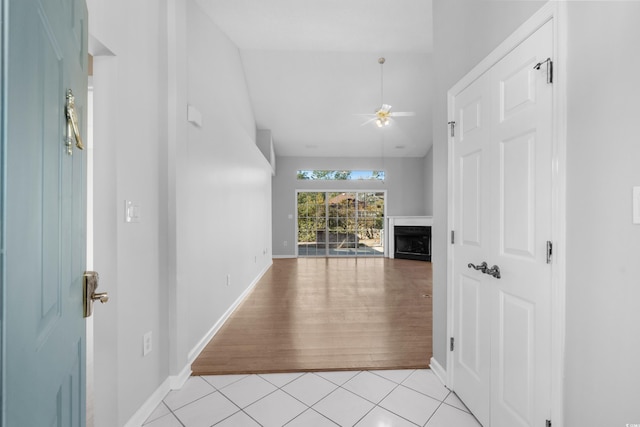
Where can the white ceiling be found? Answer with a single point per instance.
(312, 65)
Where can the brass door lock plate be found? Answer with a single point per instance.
(90, 284)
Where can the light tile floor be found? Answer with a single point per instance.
(400, 398)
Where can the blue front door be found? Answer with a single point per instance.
(44, 199)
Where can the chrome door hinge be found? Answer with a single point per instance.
(453, 237)
(451, 343)
(453, 128)
(547, 424)
(549, 251)
(549, 63)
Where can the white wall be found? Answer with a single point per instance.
(128, 103)
(602, 277)
(603, 246)
(227, 214)
(205, 193)
(404, 182)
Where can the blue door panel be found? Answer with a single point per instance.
(44, 199)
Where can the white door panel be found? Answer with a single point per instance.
(470, 350)
(517, 196)
(521, 362)
(472, 357)
(502, 213)
(513, 389)
(470, 198)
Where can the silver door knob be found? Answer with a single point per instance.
(493, 271)
(482, 267)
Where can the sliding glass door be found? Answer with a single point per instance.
(340, 223)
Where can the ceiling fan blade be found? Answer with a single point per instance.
(385, 107)
(402, 114)
(369, 121)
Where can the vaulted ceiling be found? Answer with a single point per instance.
(312, 66)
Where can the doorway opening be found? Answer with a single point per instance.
(340, 223)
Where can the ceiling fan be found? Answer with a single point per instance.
(383, 115)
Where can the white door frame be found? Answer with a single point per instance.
(557, 12)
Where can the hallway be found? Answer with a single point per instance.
(399, 398)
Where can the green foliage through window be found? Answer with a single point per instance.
(340, 223)
(340, 175)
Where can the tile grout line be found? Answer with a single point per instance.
(364, 398)
(224, 386)
(237, 406)
(434, 412)
(268, 394)
(193, 401)
(174, 415)
(376, 405)
(311, 407)
(215, 390)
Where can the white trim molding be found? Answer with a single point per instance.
(173, 382)
(552, 11)
(149, 405)
(439, 371)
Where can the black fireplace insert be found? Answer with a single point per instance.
(412, 242)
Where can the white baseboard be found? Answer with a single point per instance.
(175, 382)
(437, 369)
(172, 382)
(197, 349)
(149, 405)
(283, 256)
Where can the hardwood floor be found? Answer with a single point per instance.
(310, 314)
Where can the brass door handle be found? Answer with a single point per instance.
(102, 297)
(90, 284)
(72, 123)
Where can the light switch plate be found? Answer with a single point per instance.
(194, 115)
(131, 211)
(636, 205)
(147, 343)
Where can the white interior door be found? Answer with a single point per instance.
(502, 188)
(521, 353)
(472, 204)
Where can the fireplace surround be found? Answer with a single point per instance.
(412, 242)
(409, 237)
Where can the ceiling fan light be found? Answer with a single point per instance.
(379, 123)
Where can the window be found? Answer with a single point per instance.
(341, 223)
(341, 175)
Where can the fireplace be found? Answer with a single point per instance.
(414, 237)
(412, 242)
